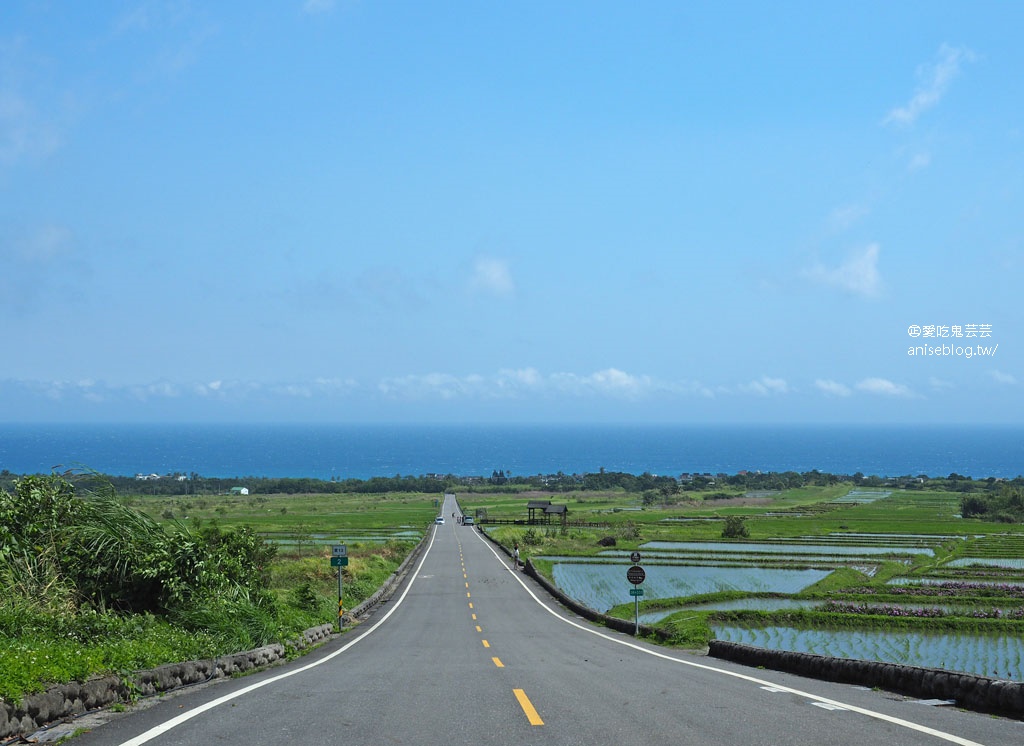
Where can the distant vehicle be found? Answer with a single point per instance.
(439, 520)
(467, 520)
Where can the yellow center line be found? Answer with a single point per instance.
(467, 594)
(478, 628)
(486, 644)
(498, 663)
(524, 702)
(473, 615)
(470, 603)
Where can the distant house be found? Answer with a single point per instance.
(239, 490)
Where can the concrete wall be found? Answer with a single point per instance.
(967, 690)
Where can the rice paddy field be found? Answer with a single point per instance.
(888, 575)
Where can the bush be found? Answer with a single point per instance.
(735, 528)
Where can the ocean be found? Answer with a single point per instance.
(364, 451)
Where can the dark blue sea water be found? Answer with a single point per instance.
(363, 451)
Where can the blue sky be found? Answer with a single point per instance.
(354, 211)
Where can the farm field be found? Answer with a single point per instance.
(875, 574)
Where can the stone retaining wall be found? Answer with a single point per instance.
(68, 700)
(967, 690)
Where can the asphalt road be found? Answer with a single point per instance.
(470, 651)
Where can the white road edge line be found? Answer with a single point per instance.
(761, 682)
(186, 716)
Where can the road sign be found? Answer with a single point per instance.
(339, 550)
(635, 575)
(339, 561)
(636, 591)
(635, 558)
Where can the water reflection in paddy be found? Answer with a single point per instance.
(786, 549)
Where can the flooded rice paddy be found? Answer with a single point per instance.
(601, 586)
(787, 567)
(996, 656)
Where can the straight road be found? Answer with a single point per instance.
(470, 651)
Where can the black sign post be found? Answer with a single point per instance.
(636, 576)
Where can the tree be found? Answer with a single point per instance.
(735, 528)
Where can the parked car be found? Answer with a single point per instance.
(467, 520)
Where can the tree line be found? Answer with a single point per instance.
(501, 480)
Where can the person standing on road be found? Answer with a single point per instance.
(515, 554)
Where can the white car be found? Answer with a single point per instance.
(439, 520)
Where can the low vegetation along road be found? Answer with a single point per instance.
(470, 651)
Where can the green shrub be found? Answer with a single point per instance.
(735, 528)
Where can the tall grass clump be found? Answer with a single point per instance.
(92, 585)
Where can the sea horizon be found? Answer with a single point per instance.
(365, 450)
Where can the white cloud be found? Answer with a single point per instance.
(842, 218)
(440, 385)
(41, 263)
(508, 383)
(492, 277)
(883, 387)
(858, 274)
(832, 388)
(177, 32)
(317, 7)
(28, 124)
(919, 161)
(613, 380)
(45, 244)
(999, 377)
(939, 384)
(162, 389)
(24, 132)
(528, 378)
(765, 386)
(935, 80)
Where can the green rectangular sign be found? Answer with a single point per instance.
(636, 591)
(339, 561)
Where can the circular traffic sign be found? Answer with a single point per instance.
(635, 575)
(635, 558)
